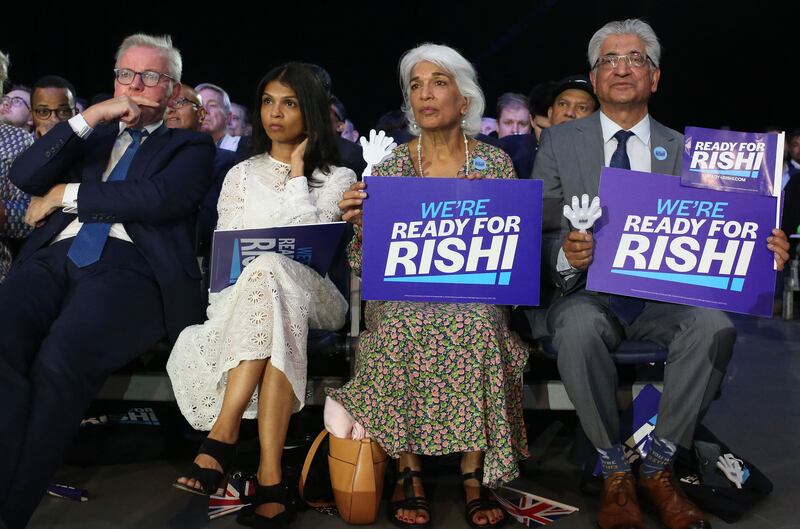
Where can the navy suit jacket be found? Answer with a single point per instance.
(157, 202)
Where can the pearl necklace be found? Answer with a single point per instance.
(466, 154)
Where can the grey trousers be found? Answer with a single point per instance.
(699, 343)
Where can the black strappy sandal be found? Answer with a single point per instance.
(210, 479)
(409, 501)
(485, 502)
(266, 494)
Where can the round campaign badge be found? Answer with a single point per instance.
(479, 164)
(660, 153)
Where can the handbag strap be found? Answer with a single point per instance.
(304, 473)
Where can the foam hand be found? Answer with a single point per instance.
(377, 149)
(733, 468)
(583, 215)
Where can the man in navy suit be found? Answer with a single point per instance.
(107, 276)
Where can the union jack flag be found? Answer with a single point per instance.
(230, 501)
(531, 510)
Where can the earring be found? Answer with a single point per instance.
(413, 125)
(463, 122)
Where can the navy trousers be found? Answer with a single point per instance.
(63, 330)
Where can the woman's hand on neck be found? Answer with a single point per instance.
(291, 153)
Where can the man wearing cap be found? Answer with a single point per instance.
(585, 326)
(574, 99)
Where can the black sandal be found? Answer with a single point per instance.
(266, 494)
(409, 501)
(210, 479)
(485, 502)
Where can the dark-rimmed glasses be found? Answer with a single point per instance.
(125, 76)
(61, 113)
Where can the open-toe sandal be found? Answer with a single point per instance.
(485, 502)
(266, 494)
(409, 501)
(210, 479)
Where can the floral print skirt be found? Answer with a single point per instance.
(438, 378)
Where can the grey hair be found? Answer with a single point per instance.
(163, 44)
(4, 62)
(463, 73)
(630, 26)
(226, 100)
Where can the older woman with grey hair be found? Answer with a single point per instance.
(437, 378)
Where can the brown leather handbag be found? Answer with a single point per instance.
(356, 470)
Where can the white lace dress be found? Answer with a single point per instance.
(267, 312)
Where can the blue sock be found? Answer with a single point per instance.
(613, 460)
(659, 457)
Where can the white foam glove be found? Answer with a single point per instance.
(378, 148)
(583, 215)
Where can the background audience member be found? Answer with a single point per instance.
(513, 115)
(13, 202)
(573, 99)
(52, 101)
(540, 98)
(187, 112)
(218, 115)
(239, 123)
(395, 124)
(15, 109)
(489, 126)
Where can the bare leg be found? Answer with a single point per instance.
(242, 381)
(470, 461)
(274, 411)
(414, 516)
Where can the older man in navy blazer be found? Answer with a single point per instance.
(110, 269)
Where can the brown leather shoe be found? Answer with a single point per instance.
(619, 508)
(677, 511)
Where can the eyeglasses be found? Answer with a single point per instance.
(61, 113)
(634, 60)
(182, 102)
(14, 102)
(126, 76)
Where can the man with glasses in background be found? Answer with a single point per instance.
(187, 112)
(15, 109)
(218, 115)
(106, 277)
(585, 326)
(52, 101)
(13, 202)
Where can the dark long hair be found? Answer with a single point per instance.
(321, 151)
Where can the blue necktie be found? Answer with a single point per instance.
(92, 237)
(625, 308)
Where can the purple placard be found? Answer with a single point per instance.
(452, 240)
(730, 161)
(657, 240)
(311, 244)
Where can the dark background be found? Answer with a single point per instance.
(723, 64)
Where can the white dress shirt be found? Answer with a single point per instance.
(70, 200)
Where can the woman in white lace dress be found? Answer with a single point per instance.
(249, 358)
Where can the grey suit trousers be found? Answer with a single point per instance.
(699, 343)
